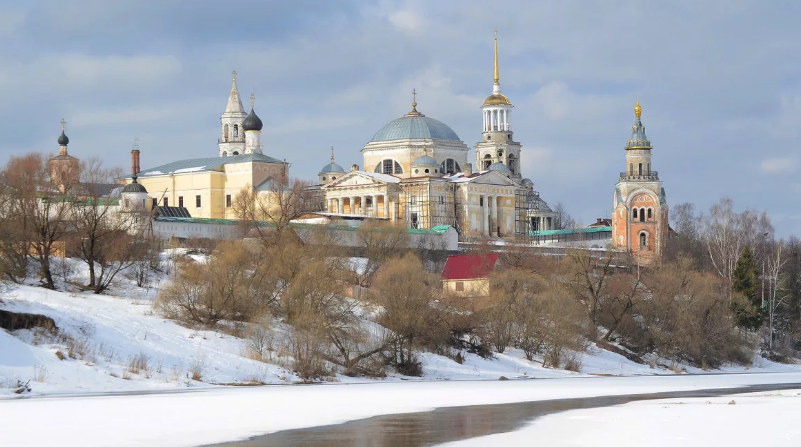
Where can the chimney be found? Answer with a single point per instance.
(468, 169)
(135, 162)
(354, 167)
(599, 221)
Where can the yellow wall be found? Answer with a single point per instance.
(472, 287)
(211, 186)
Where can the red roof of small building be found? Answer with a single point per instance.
(469, 266)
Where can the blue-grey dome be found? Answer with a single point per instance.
(332, 168)
(415, 126)
(498, 167)
(527, 181)
(425, 160)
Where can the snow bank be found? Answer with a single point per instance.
(763, 419)
(218, 415)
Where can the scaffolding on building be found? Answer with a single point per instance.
(428, 204)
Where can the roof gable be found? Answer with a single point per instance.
(358, 178)
(469, 266)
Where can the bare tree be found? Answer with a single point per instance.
(777, 292)
(563, 220)
(380, 243)
(107, 240)
(727, 232)
(269, 213)
(39, 206)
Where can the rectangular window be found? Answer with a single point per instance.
(388, 166)
(414, 220)
(155, 202)
(166, 201)
(228, 200)
(181, 201)
(197, 201)
(459, 286)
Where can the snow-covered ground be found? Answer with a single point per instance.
(744, 420)
(217, 415)
(107, 335)
(116, 343)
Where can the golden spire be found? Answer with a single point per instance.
(252, 101)
(497, 76)
(62, 124)
(638, 109)
(234, 75)
(332, 154)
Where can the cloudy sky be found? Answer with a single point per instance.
(718, 81)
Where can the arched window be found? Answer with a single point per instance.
(634, 213)
(236, 130)
(235, 153)
(640, 169)
(512, 163)
(487, 161)
(450, 166)
(643, 240)
(225, 133)
(642, 214)
(225, 153)
(388, 166)
(650, 213)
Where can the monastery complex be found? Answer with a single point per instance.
(415, 171)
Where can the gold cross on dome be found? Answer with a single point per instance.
(63, 123)
(252, 100)
(233, 73)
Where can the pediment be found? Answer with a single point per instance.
(493, 178)
(356, 178)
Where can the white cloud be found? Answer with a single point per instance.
(776, 165)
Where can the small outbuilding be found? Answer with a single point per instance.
(468, 275)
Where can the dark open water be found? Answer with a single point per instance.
(456, 423)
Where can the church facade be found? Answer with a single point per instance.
(416, 173)
(640, 215)
(206, 187)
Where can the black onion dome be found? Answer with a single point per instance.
(62, 139)
(134, 187)
(252, 122)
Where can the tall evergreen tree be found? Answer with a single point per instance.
(745, 281)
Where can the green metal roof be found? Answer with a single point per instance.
(204, 164)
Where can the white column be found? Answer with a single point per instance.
(386, 206)
(375, 205)
(362, 205)
(339, 205)
(484, 225)
(508, 119)
(495, 224)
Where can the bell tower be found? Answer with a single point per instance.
(640, 216)
(232, 139)
(497, 144)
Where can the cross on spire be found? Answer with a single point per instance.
(233, 73)
(332, 154)
(63, 123)
(252, 101)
